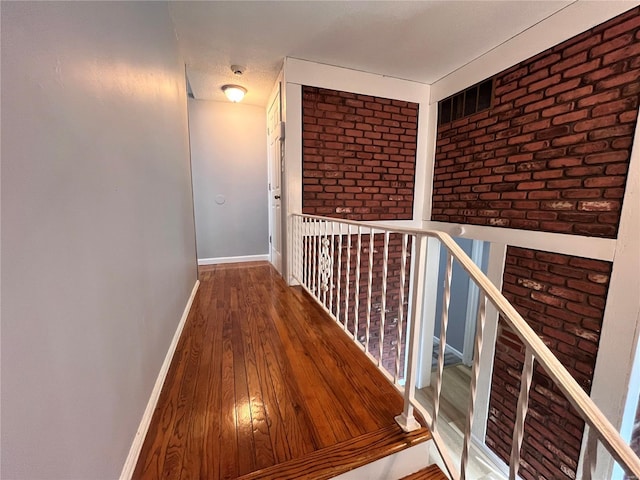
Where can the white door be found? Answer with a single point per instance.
(274, 132)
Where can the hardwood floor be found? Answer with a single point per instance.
(262, 377)
(454, 404)
(454, 399)
(430, 473)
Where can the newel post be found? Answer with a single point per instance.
(406, 420)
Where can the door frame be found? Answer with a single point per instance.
(278, 133)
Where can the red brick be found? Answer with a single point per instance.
(615, 131)
(584, 171)
(559, 227)
(631, 24)
(557, 110)
(621, 54)
(617, 169)
(558, 130)
(543, 195)
(604, 72)
(598, 206)
(514, 75)
(608, 157)
(564, 183)
(589, 125)
(547, 299)
(570, 117)
(608, 181)
(612, 44)
(590, 264)
(628, 117)
(582, 69)
(617, 80)
(569, 140)
(575, 94)
(547, 82)
(617, 106)
(587, 287)
(589, 147)
(589, 42)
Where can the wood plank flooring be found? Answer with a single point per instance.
(263, 377)
(432, 472)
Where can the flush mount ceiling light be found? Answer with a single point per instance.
(235, 93)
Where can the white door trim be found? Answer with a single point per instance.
(275, 135)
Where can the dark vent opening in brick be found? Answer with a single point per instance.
(472, 100)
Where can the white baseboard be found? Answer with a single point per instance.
(136, 446)
(448, 348)
(244, 258)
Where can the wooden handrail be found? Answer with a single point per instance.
(585, 407)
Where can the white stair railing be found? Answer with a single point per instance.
(319, 268)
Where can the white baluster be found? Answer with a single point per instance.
(293, 241)
(305, 254)
(474, 383)
(314, 262)
(325, 263)
(309, 254)
(383, 311)
(333, 248)
(446, 300)
(591, 454)
(300, 250)
(339, 273)
(346, 279)
(521, 414)
(318, 269)
(369, 284)
(403, 273)
(406, 420)
(298, 237)
(356, 304)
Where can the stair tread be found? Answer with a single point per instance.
(343, 457)
(432, 472)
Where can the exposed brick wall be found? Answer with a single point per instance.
(553, 151)
(562, 298)
(358, 162)
(358, 155)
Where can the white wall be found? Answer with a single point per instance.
(229, 158)
(98, 250)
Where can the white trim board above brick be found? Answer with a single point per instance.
(577, 245)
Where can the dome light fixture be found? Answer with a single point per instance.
(235, 93)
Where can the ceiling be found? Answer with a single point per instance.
(415, 40)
